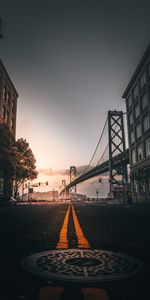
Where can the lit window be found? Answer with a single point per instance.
(132, 138)
(4, 93)
(133, 157)
(137, 111)
(131, 118)
(146, 122)
(147, 147)
(142, 80)
(140, 152)
(144, 101)
(7, 117)
(135, 92)
(3, 112)
(129, 101)
(138, 130)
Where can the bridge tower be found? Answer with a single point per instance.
(116, 138)
(72, 178)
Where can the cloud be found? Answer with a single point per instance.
(51, 172)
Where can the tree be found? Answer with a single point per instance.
(25, 164)
(17, 161)
(7, 157)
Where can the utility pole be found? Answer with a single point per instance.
(97, 193)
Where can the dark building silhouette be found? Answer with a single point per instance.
(8, 106)
(8, 100)
(137, 96)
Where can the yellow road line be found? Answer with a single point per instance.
(63, 240)
(94, 294)
(82, 241)
(50, 293)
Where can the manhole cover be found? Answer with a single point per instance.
(82, 265)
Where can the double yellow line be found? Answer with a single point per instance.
(55, 293)
(63, 239)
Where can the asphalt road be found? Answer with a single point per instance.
(25, 230)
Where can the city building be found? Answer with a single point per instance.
(43, 196)
(8, 106)
(137, 97)
(8, 100)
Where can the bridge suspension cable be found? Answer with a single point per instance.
(101, 159)
(99, 141)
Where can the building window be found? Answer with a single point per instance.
(133, 156)
(142, 186)
(149, 185)
(135, 92)
(12, 123)
(131, 118)
(129, 101)
(147, 147)
(138, 130)
(149, 69)
(140, 152)
(137, 111)
(132, 137)
(146, 122)
(3, 112)
(7, 117)
(4, 93)
(144, 101)
(135, 186)
(142, 80)
(13, 105)
(8, 98)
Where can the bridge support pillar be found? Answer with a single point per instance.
(72, 178)
(116, 138)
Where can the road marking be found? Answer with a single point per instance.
(82, 241)
(63, 240)
(94, 294)
(50, 293)
(55, 293)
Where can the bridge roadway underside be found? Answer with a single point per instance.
(101, 169)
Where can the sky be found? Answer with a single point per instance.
(70, 62)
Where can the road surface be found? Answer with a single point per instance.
(26, 230)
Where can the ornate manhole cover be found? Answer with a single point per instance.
(82, 265)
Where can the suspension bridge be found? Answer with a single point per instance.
(110, 157)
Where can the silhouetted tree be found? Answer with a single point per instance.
(7, 157)
(17, 162)
(25, 164)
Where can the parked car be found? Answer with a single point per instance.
(13, 201)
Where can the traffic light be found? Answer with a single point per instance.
(46, 182)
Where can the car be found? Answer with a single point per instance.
(13, 201)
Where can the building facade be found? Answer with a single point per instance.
(8, 107)
(137, 97)
(8, 100)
